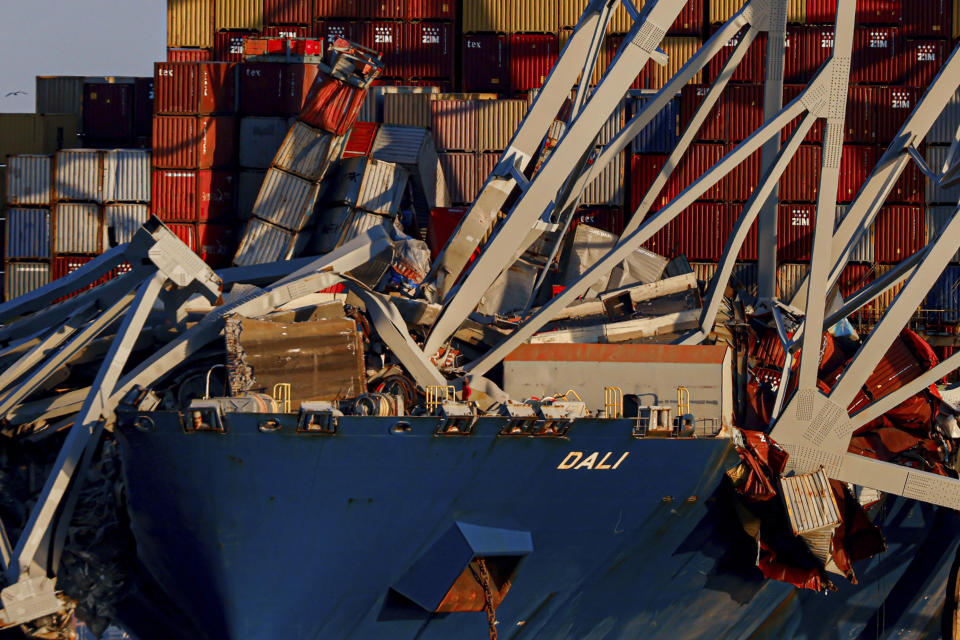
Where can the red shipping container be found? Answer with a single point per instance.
(216, 244)
(360, 140)
(443, 222)
(910, 185)
(531, 59)
(194, 142)
(387, 38)
(801, 180)
(743, 110)
(861, 121)
(930, 18)
(876, 55)
(900, 233)
(189, 55)
(821, 11)
(700, 232)
(262, 89)
(740, 183)
(749, 249)
(108, 114)
(750, 69)
(795, 231)
(195, 87)
(288, 31)
(287, 11)
(853, 278)
(192, 195)
(332, 105)
(298, 79)
(894, 105)
(855, 166)
(643, 170)
(65, 265)
(431, 10)
(807, 49)
(429, 50)
(484, 63)
(381, 9)
(690, 20)
(331, 30)
(323, 9)
(879, 11)
(922, 60)
(698, 159)
(228, 45)
(714, 126)
(606, 218)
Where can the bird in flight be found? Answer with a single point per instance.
(16, 93)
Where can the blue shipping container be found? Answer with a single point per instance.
(943, 301)
(660, 136)
(28, 233)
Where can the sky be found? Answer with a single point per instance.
(75, 38)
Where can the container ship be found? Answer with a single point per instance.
(637, 335)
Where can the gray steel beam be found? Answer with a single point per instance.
(636, 239)
(511, 236)
(526, 141)
(870, 292)
(41, 298)
(753, 207)
(28, 547)
(861, 366)
(772, 103)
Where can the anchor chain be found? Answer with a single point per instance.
(482, 576)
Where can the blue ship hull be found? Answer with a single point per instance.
(291, 535)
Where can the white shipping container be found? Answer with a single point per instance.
(77, 228)
(371, 185)
(260, 139)
(372, 109)
(789, 278)
(937, 218)
(286, 200)
(936, 156)
(945, 126)
(864, 251)
(121, 221)
(27, 233)
(414, 150)
(606, 187)
(126, 176)
(77, 175)
(24, 277)
(28, 180)
(263, 242)
(308, 152)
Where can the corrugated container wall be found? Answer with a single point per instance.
(305, 152)
(945, 126)
(723, 10)
(28, 180)
(194, 142)
(531, 59)
(78, 173)
(935, 221)
(126, 176)
(660, 136)
(195, 88)
(27, 233)
(900, 233)
(936, 156)
(488, 16)
(679, 49)
(24, 277)
(287, 11)
(789, 278)
(455, 124)
(498, 122)
(77, 228)
(864, 251)
(412, 109)
(263, 242)
(534, 17)
(260, 139)
(606, 188)
(239, 14)
(190, 23)
(430, 50)
(485, 63)
(192, 195)
(60, 94)
(431, 9)
(30, 134)
(943, 301)
(121, 221)
(286, 200)
(465, 173)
